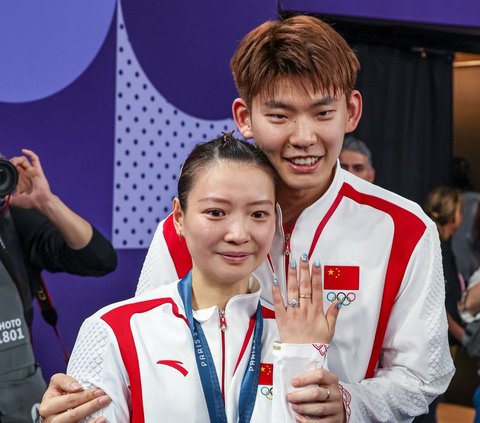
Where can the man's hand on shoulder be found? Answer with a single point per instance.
(65, 401)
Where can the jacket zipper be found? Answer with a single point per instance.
(286, 248)
(223, 328)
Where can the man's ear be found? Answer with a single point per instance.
(241, 115)
(177, 217)
(354, 111)
(371, 177)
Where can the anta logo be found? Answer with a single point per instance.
(177, 365)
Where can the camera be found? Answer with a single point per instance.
(8, 178)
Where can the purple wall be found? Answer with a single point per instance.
(445, 12)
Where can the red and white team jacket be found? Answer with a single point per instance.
(381, 252)
(141, 353)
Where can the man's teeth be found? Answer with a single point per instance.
(305, 161)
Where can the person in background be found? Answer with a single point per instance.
(218, 344)
(444, 206)
(38, 231)
(471, 301)
(379, 252)
(471, 315)
(356, 158)
(466, 240)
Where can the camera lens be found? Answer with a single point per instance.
(8, 178)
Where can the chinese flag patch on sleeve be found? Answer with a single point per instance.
(341, 277)
(266, 374)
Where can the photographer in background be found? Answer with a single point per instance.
(37, 231)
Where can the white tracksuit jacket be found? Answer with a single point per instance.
(390, 349)
(141, 353)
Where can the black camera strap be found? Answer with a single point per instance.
(49, 312)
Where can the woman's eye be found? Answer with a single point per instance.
(259, 214)
(216, 213)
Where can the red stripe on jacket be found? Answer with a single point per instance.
(119, 320)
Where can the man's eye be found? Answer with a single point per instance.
(276, 116)
(325, 113)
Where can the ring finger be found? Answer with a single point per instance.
(305, 285)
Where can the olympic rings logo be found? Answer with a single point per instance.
(347, 299)
(267, 392)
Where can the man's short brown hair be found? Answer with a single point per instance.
(302, 49)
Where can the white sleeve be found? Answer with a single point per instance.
(96, 363)
(289, 361)
(158, 268)
(415, 362)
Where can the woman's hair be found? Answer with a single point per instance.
(302, 49)
(224, 148)
(442, 203)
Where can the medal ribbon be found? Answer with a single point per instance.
(206, 365)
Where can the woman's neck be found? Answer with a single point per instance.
(207, 293)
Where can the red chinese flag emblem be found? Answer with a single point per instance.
(341, 277)
(266, 374)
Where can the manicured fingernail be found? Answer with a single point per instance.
(316, 263)
(340, 304)
(275, 282)
(294, 382)
(104, 401)
(75, 385)
(304, 257)
(98, 393)
(293, 264)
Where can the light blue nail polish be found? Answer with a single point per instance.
(293, 264)
(275, 282)
(340, 304)
(304, 257)
(316, 263)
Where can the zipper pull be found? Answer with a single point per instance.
(223, 321)
(286, 250)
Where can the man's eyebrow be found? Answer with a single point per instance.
(275, 104)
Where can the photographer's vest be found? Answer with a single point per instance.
(19, 376)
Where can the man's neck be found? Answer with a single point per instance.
(293, 202)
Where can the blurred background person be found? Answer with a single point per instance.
(444, 206)
(37, 231)
(466, 240)
(356, 158)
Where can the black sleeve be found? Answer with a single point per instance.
(46, 249)
(453, 289)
